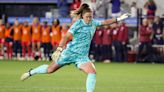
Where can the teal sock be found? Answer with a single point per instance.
(39, 70)
(90, 83)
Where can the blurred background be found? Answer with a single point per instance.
(32, 29)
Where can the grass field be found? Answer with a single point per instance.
(113, 77)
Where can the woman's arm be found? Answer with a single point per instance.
(55, 56)
(110, 21)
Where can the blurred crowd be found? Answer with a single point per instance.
(100, 8)
(151, 40)
(30, 41)
(108, 8)
(36, 40)
(111, 42)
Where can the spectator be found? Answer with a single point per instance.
(9, 40)
(75, 4)
(36, 35)
(26, 40)
(56, 33)
(46, 41)
(107, 44)
(63, 8)
(17, 30)
(98, 44)
(116, 8)
(2, 36)
(115, 42)
(158, 40)
(64, 30)
(158, 31)
(151, 8)
(123, 41)
(158, 24)
(102, 8)
(145, 46)
(92, 5)
(133, 9)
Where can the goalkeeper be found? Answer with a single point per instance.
(76, 51)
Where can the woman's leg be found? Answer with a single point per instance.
(29, 50)
(44, 51)
(49, 50)
(15, 49)
(23, 49)
(43, 69)
(39, 50)
(1, 49)
(38, 46)
(33, 49)
(89, 68)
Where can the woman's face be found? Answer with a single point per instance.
(36, 20)
(87, 17)
(25, 23)
(1, 22)
(7, 25)
(16, 23)
(144, 22)
(157, 19)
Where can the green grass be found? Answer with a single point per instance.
(113, 77)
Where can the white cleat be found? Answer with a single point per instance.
(25, 76)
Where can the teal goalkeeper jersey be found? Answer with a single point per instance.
(82, 36)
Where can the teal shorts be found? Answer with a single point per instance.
(68, 57)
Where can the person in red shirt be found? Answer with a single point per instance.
(9, 40)
(46, 41)
(75, 5)
(107, 44)
(98, 43)
(145, 33)
(151, 9)
(115, 42)
(17, 30)
(26, 40)
(2, 35)
(123, 41)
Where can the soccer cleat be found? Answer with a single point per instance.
(25, 76)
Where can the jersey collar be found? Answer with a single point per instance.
(85, 23)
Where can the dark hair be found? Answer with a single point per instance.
(57, 21)
(82, 10)
(45, 22)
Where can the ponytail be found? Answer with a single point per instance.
(79, 12)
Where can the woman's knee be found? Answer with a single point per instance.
(92, 71)
(50, 70)
(88, 68)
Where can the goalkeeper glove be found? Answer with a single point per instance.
(55, 56)
(122, 17)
